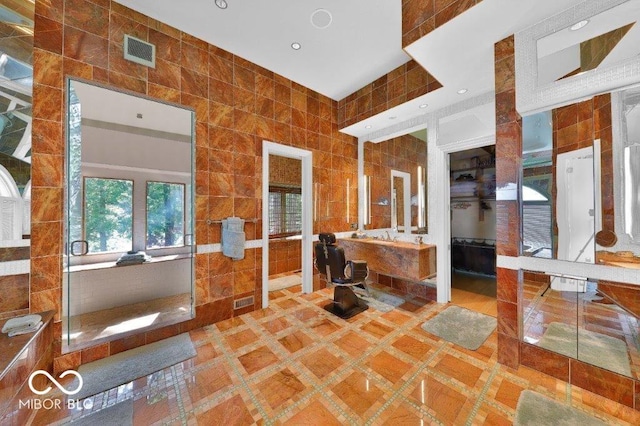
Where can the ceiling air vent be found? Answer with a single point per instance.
(242, 303)
(139, 51)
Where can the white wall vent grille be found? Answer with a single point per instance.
(243, 303)
(139, 51)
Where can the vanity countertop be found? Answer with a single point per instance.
(414, 262)
(397, 244)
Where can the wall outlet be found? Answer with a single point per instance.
(354, 226)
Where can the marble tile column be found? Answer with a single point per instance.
(508, 162)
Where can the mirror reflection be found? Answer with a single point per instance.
(597, 325)
(603, 40)
(129, 239)
(397, 187)
(561, 155)
(16, 81)
(580, 181)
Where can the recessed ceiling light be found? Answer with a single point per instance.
(296, 46)
(321, 18)
(368, 126)
(578, 25)
(462, 91)
(393, 117)
(222, 4)
(422, 106)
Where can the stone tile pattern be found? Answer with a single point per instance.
(237, 105)
(285, 256)
(508, 164)
(31, 352)
(404, 83)
(404, 153)
(404, 286)
(295, 363)
(420, 17)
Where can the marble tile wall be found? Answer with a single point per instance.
(237, 105)
(404, 153)
(409, 81)
(508, 161)
(285, 256)
(404, 83)
(511, 351)
(19, 358)
(420, 17)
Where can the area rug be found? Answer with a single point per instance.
(461, 326)
(120, 414)
(113, 371)
(287, 281)
(594, 348)
(534, 409)
(382, 301)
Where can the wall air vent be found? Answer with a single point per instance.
(139, 51)
(243, 303)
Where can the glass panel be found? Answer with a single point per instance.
(129, 245)
(595, 322)
(108, 214)
(165, 214)
(559, 162)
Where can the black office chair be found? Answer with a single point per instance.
(330, 262)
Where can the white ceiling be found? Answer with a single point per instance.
(96, 103)
(362, 43)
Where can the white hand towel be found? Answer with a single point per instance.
(25, 330)
(233, 238)
(21, 322)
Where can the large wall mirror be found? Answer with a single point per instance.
(129, 220)
(396, 194)
(16, 85)
(581, 180)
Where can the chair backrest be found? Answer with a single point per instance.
(332, 256)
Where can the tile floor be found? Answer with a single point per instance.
(475, 292)
(294, 363)
(100, 326)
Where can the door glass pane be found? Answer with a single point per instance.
(108, 214)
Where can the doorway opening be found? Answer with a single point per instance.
(285, 224)
(286, 217)
(473, 229)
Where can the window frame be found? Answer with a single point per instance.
(283, 189)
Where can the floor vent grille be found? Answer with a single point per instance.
(243, 303)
